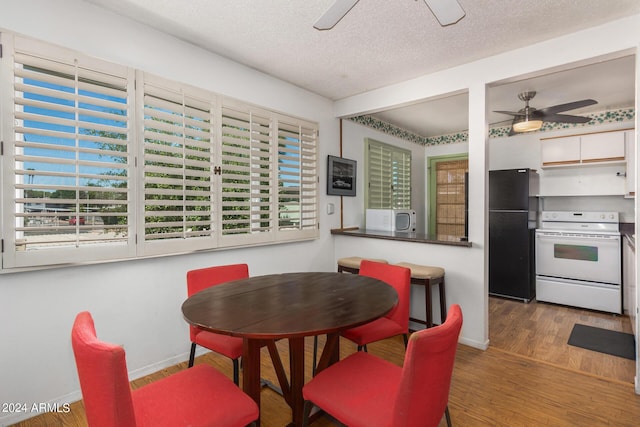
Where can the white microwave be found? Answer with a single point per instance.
(391, 220)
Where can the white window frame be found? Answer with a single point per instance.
(285, 145)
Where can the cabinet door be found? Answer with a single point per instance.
(602, 147)
(560, 151)
(630, 154)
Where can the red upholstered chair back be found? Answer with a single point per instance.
(198, 280)
(104, 381)
(400, 279)
(426, 374)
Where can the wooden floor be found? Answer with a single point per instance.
(541, 330)
(526, 378)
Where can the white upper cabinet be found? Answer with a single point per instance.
(560, 151)
(602, 147)
(605, 147)
(588, 165)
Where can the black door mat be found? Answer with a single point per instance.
(601, 340)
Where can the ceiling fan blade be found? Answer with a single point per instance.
(561, 118)
(512, 113)
(334, 14)
(568, 106)
(447, 12)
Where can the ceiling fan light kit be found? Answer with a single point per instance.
(447, 12)
(526, 125)
(530, 119)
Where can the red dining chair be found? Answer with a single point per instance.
(198, 280)
(201, 396)
(364, 390)
(395, 322)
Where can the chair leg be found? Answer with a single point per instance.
(429, 308)
(443, 302)
(192, 355)
(306, 411)
(236, 372)
(315, 354)
(446, 414)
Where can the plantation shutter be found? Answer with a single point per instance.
(71, 158)
(101, 162)
(401, 179)
(379, 174)
(178, 153)
(297, 178)
(246, 176)
(388, 174)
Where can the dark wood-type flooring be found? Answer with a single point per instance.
(529, 376)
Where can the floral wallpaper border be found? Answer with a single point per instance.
(612, 116)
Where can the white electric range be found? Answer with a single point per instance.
(578, 260)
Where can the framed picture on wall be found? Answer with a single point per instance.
(341, 177)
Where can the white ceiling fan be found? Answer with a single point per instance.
(447, 12)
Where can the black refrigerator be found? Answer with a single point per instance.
(513, 206)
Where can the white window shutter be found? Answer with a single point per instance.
(297, 179)
(178, 159)
(246, 175)
(71, 158)
(102, 162)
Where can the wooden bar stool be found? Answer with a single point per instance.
(352, 264)
(426, 276)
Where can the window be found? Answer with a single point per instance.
(68, 158)
(102, 162)
(388, 176)
(447, 197)
(298, 195)
(177, 167)
(247, 174)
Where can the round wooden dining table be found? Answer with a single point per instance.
(292, 306)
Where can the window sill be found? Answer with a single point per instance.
(389, 235)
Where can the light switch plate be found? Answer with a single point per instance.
(330, 208)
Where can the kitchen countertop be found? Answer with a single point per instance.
(402, 236)
(628, 231)
(627, 228)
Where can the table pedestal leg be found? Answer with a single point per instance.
(251, 370)
(330, 353)
(296, 366)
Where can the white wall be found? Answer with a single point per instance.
(468, 267)
(135, 303)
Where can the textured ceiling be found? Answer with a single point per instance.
(378, 43)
